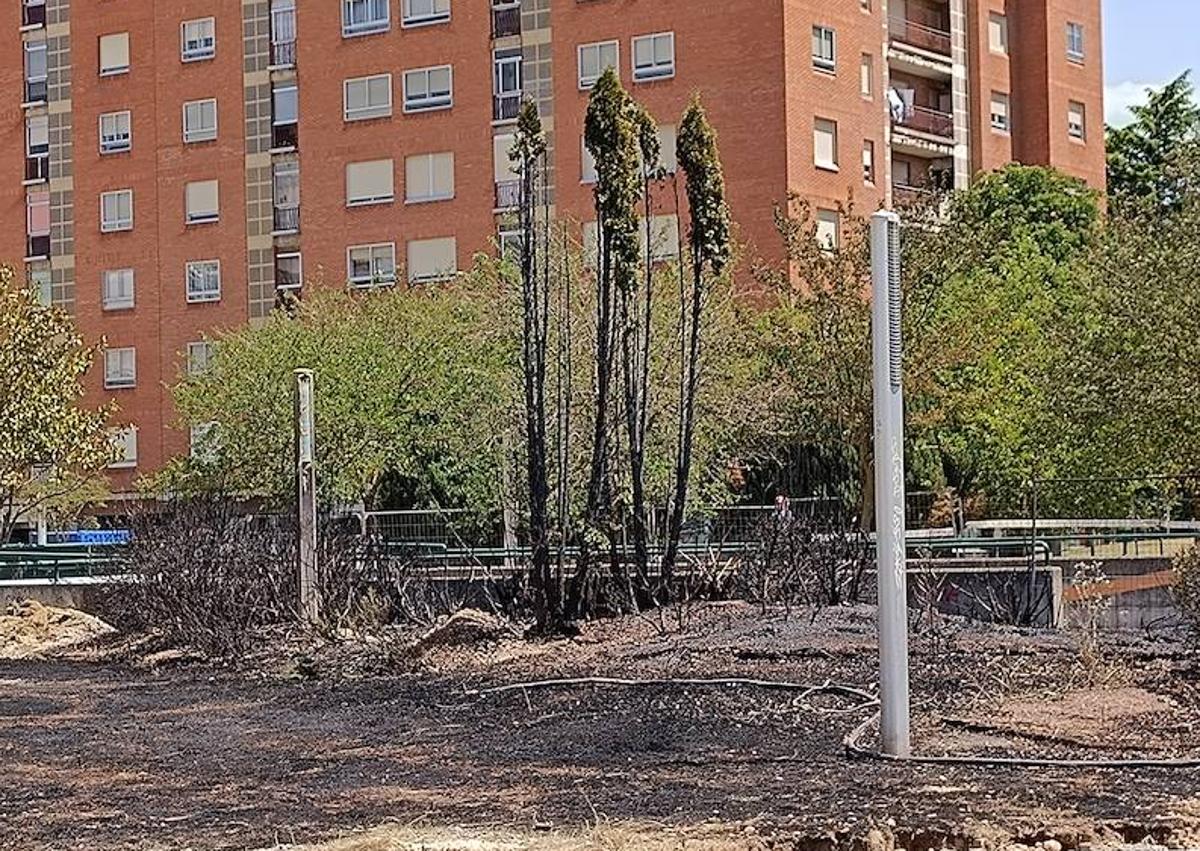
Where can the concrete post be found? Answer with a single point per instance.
(886, 350)
(306, 497)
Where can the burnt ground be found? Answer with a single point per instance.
(105, 755)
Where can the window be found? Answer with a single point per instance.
(33, 13)
(371, 264)
(200, 120)
(998, 33)
(666, 148)
(360, 17)
(116, 289)
(116, 210)
(198, 39)
(509, 243)
(1074, 41)
(866, 84)
(285, 111)
(202, 441)
(35, 71)
(289, 271)
(824, 48)
(664, 237)
(825, 144)
(504, 173)
(114, 54)
(367, 97)
(902, 173)
(418, 12)
(124, 442)
(115, 134)
(1076, 120)
(432, 259)
(369, 182)
(37, 148)
(120, 368)
(199, 355)
(428, 88)
(201, 202)
(654, 56)
(827, 229)
(428, 177)
(506, 84)
(999, 110)
(594, 59)
(39, 280)
(283, 33)
(203, 280)
(285, 196)
(868, 161)
(37, 223)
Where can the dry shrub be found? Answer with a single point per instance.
(1085, 619)
(809, 560)
(1187, 589)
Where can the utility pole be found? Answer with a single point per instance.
(890, 564)
(306, 497)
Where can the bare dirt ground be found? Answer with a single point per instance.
(106, 755)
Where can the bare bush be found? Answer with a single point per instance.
(1187, 588)
(812, 560)
(1085, 618)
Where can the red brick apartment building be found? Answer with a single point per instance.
(177, 162)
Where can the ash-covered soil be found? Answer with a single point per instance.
(288, 749)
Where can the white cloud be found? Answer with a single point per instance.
(1119, 97)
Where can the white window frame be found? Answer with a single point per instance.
(115, 70)
(439, 275)
(429, 104)
(1004, 125)
(586, 83)
(118, 302)
(119, 378)
(429, 160)
(654, 71)
(204, 217)
(370, 200)
(408, 19)
(832, 165)
(372, 280)
(199, 354)
(998, 25)
(374, 25)
(369, 111)
(819, 61)
(42, 148)
(283, 10)
(191, 136)
(116, 146)
(207, 294)
(119, 224)
(1073, 29)
(32, 47)
(207, 46)
(299, 274)
(125, 438)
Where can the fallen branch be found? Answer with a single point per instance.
(807, 689)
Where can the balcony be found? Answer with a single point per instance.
(506, 107)
(922, 35)
(33, 15)
(284, 136)
(925, 120)
(37, 168)
(286, 220)
(506, 20)
(283, 54)
(508, 194)
(36, 91)
(37, 247)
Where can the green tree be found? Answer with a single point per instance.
(412, 395)
(53, 450)
(1153, 160)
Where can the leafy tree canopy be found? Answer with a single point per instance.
(1152, 161)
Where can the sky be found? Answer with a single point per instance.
(1147, 43)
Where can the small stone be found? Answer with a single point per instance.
(1052, 845)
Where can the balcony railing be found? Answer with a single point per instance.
(506, 21)
(37, 246)
(284, 135)
(38, 167)
(33, 15)
(283, 53)
(508, 194)
(36, 91)
(506, 107)
(286, 219)
(920, 35)
(926, 120)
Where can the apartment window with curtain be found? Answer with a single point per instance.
(432, 259)
(114, 54)
(120, 368)
(283, 33)
(115, 132)
(198, 39)
(116, 289)
(370, 265)
(654, 56)
(285, 192)
(429, 177)
(824, 48)
(202, 281)
(367, 97)
(1074, 41)
(369, 182)
(200, 120)
(361, 17)
(594, 59)
(825, 144)
(428, 88)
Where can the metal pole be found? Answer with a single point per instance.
(306, 497)
(886, 352)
